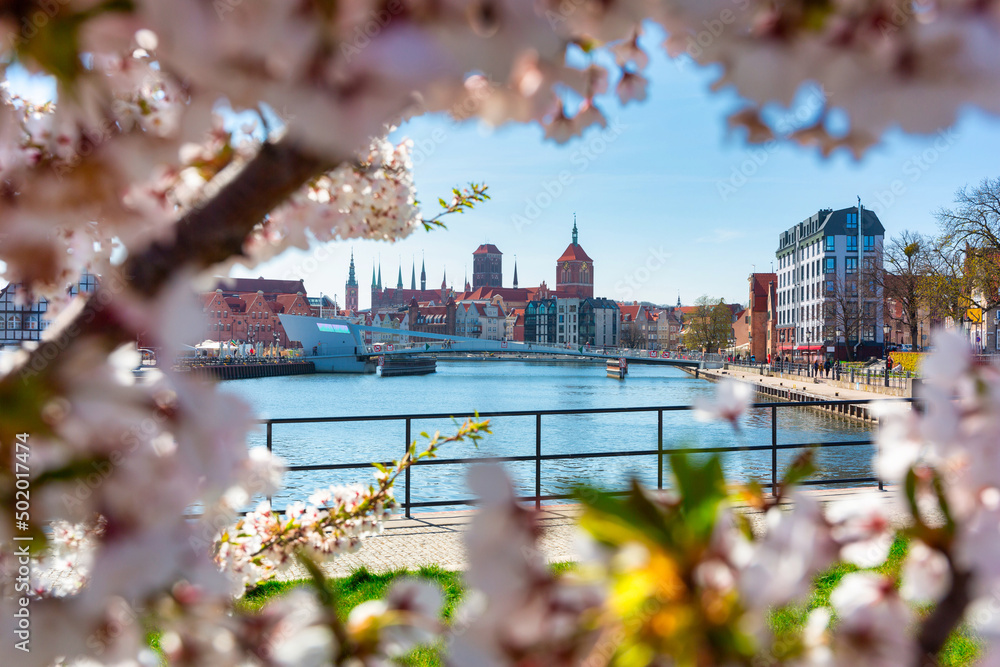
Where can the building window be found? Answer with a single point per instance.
(829, 244)
(852, 244)
(869, 242)
(830, 265)
(852, 220)
(851, 265)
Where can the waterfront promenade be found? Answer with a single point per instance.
(436, 538)
(819, 389)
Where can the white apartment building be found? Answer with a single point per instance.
(824, 266)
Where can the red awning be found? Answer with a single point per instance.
(809, 348)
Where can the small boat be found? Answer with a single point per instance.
(408, 365)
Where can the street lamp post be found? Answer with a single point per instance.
(886, 330)
(840, 334)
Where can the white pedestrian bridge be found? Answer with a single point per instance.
(332, 344)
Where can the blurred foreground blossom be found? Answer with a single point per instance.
(732, 398)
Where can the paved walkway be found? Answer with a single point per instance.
(814, 387)
(435, 538)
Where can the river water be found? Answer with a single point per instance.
(465, 386)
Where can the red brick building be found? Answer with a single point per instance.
(575, 271)
(759, 320)
(247, 309)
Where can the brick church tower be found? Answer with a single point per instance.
(487, 267)
(351, 289)
(575, 270)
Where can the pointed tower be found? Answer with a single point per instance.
(399, 280)
(375, 290)
(678, 299)
(413, 276)
(351, 289)
(423, 274)
(444, 286)
(379, 286)
(575, 270)
(515, 271)
(468, 287)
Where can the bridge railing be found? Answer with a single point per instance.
(856, 408)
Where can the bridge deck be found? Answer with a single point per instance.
(448, 344)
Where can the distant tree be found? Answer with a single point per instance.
(852, 304)
(710, 325)
(905, 277)
(631, 336)
(966, 257)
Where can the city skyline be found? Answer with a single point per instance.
(637, 197)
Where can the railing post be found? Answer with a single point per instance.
(659, 449)
(269, 451)
(406, 497)
(774, 450)
(538, 460)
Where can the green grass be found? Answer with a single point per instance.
(962, 648)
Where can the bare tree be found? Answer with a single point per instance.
(852, 303)
(966, 259)
(904, 278)
(631, 336)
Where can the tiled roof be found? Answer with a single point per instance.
(487, 248)
(264, 285)
(574, 252)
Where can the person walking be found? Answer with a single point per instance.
(816, 368)
(826, 367)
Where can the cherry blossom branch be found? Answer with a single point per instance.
(947, 615)
(215, 231)
(335, 520)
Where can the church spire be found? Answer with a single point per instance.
(515, 271)
(444, 279)
(379, 286)
(575, 241)
(399, 280)
(678, 299)
(423, 273)
(351, 280)
(413, 275)
(373, 275)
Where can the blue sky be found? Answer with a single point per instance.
(650, 195)
(660, 196)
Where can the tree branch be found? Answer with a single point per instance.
(946, 616)
(215, 231)
(205, 235)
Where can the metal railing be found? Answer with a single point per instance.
(539, 456)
